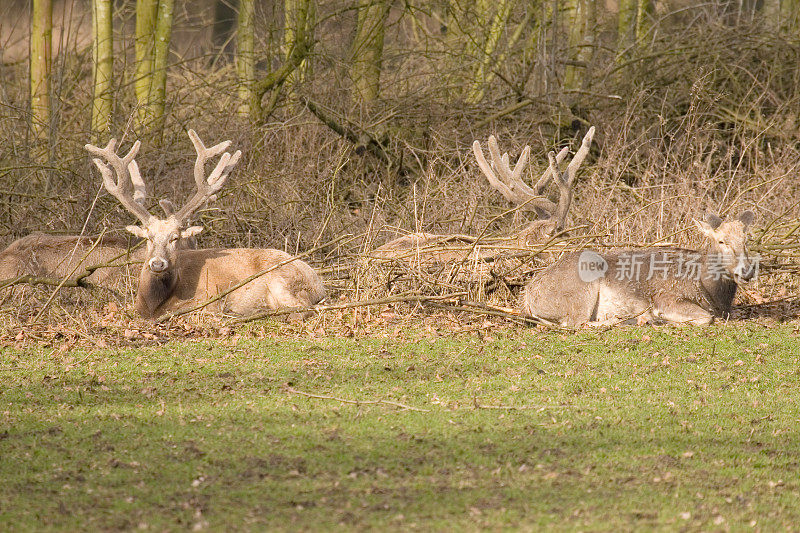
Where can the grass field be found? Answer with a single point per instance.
(656, 428)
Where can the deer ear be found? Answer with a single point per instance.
(138, 231)
(704, 227)
(191, 232)
(713, 220)
(747, 218)
(168, 207)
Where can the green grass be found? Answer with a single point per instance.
(632, 428)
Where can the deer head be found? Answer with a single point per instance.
(164, 235)
(727, 250)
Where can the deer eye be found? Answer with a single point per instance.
(173, 238)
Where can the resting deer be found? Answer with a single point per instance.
(173, 279)
(69, 256)
(104, 258)
(432, 251)
(654, 284)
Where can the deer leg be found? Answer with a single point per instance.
(683, 312)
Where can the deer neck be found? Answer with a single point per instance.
(719, 290)
(155, 290)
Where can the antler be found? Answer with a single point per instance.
(510, 183)
(208, 187)
(126, 170)
(566, 180)
(511, 186)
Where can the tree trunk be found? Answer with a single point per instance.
(645, 10)
(626, 28)
(103, 56)
(245, 61)
(252, 90)
(158, 89)
(40, 65)
(146, 11)
(485, 53)
(367, 50)
(299, 22)
(581, 44)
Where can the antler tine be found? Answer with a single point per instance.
(580, 155)
(566, 180)
(139, 188)
(564, 194)
(512, 178)
(548, 174)
(121, 166)
(204, 154)
(489, 172)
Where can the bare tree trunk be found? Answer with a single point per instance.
(252, 92)
(103, 56)
(245, 61)
(146, 11)
(645, 10)
(299, 21)
(367, 50)
(158, 89)
(581, 44)
(626, 28)
(40, 66)
(485, 53)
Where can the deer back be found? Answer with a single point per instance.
(59, 256)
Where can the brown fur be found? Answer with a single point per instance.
(199, 275)
(57, 256)
(560, 295)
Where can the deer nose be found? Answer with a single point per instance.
(158, 264)
(744, 271)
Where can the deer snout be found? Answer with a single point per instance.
(157, 264)
(744, 271)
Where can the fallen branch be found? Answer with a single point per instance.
(358, 136)
(485, 309)
(476, 405)
(399, 405)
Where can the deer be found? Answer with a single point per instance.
(551, 217)
(87, 260)
(434, 252)
(668, 285)
(242, 281)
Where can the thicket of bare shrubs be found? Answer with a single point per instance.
(705, 119)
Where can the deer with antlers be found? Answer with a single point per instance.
(83, 260)
(671, 285)
(431, 252)
(172, 279)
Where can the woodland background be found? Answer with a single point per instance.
(357, 116)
